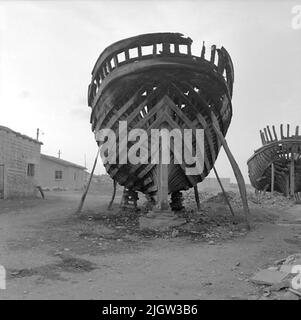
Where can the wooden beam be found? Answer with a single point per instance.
(162, 175)
(203, 51)
(197, 198)
(292, 175)
(122, 198)
(281, 131)
(266, 135)
(163, 186)
(287, 193)
(297, 131)
(213, 50)
(262, 137)
(113, 195)
(236, 170)
(272, 177)
(269, 132)
(79, 209)
(275, 134)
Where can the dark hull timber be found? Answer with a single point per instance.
(276, 166)
(154, 78)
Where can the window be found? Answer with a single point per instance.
(30, 170)
(58, 175)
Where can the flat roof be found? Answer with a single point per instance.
(18, 134)
(62, 162)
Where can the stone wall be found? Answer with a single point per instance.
(16, 152)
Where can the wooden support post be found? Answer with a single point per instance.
(79, 209)
(197, 198)
(292, 176)
(113, 195)
(272, 177)
(162, 179)
(224, 192)
(41, 191)
(287, 186)
(122, 198)
(163, 186)
(236, 170)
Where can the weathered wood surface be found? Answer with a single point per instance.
(197, 197)
(238, 175)
(276, 166)
(83, 198)
(113, 195)
(165, 84)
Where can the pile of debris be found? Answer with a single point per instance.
(271, 200)
(189, 199)
(281, 281)
(267, 200)
(208, 226)
(233, 197)
(211, 228)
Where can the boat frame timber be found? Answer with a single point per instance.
(276, 166)
(165, 84)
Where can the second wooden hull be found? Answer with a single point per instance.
(277, 162)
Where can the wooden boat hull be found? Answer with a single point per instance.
(164, 88)
(284, 154)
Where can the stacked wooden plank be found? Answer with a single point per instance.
(151, 80)
(276, 166)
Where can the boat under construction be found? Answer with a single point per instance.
(276, 166)
(153, 81)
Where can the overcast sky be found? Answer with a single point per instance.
(48, 49)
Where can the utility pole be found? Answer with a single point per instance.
(38, 133)
(59, 154)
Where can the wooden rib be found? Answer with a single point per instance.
(213, 51)
(266, 135)
(269, 132)
(275, 134)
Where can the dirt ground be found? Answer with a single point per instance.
(50, 253)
